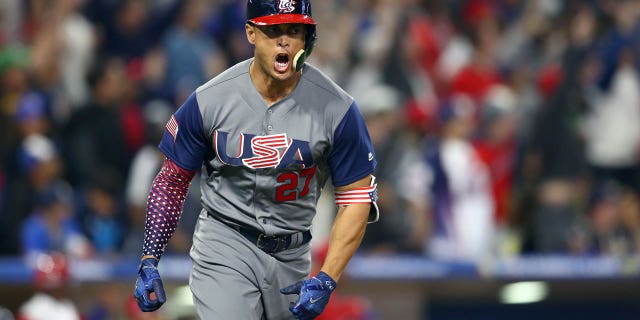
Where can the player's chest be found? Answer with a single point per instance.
(278, 137)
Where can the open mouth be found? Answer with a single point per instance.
(282, 62)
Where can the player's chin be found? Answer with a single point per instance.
(283, 76)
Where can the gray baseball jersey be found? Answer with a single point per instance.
(264, 167)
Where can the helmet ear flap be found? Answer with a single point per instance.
(310, 38)
(309, 42)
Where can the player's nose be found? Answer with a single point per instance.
(283, 41)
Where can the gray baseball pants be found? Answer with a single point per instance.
(232, 278)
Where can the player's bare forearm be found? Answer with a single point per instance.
(347, 233)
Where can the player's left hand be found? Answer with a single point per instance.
(314, 295)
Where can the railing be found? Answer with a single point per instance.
(392, 267)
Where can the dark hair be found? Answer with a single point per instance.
(97, 71)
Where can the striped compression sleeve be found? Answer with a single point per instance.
(164, 206)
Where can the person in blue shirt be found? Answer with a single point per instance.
(51, 226)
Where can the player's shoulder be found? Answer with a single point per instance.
(322, 84)
(227, 77)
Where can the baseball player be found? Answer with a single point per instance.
(267, 134)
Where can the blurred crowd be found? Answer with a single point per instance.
(501, 127)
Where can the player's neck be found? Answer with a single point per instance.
(271, 89)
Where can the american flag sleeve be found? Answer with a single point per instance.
(164, 206)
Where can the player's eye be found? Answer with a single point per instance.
(271, 31)
(296, 31)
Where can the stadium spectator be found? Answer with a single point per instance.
(225, 24)
(614, 220)
(14, 65)
(63, 43)
(94, 135)
(481, 73)
(408, 67)
(129, 30)
(555, 154)
(29, 150)
(496, 145)
(401, 230)
(192, 56)
(102, 214)
(629, 206)
(52, 297)
(151, 77)
(612, 132)
(52, 227)
(38, 167)
(452, 187)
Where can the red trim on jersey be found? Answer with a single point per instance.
(282, 18)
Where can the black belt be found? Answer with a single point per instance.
(273, 243)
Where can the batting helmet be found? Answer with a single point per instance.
(268, 12)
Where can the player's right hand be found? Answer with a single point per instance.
(149, 281)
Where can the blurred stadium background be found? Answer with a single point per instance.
(507, 133)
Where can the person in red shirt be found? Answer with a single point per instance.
(481, 73)
(496, 146)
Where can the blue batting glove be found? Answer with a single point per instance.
(314, 295)
(149, 281)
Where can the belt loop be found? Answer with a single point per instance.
(295, 239)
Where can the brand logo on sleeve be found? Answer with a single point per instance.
(257, 152)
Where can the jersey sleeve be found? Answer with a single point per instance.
(352, 156)
(184, 139)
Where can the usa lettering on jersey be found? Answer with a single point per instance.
(258, 152)
(266, 150)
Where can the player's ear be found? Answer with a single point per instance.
(250, 29)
